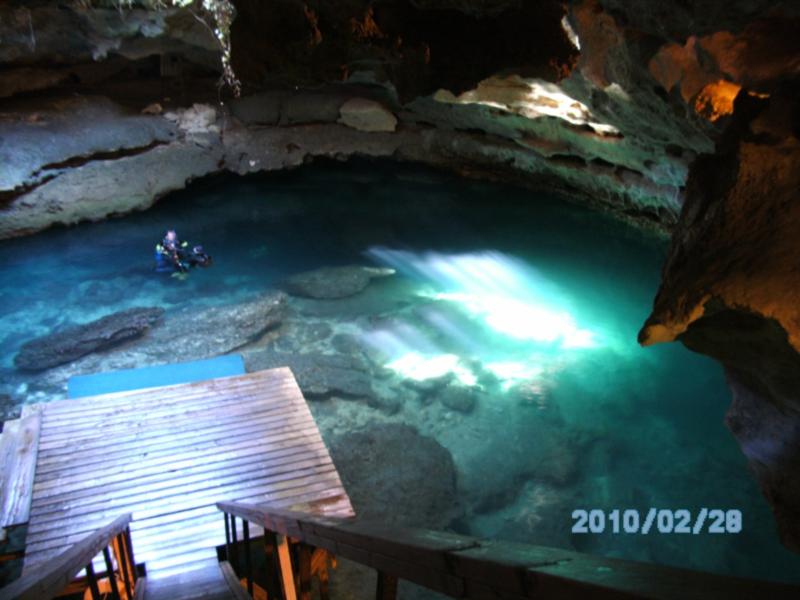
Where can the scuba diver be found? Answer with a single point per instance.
(176, 256)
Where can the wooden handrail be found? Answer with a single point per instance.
(467, 567)
(52, 578)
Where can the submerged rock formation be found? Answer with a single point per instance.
(329, 283)
(395, 492)
(72, 343)
(188, 334)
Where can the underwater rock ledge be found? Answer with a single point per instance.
(73, 343)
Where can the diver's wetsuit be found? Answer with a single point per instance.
(176, 255)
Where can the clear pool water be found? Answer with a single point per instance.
(532, 303)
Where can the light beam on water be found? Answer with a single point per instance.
(489, 312)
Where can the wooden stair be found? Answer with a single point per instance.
(167, 455)
(210, 580)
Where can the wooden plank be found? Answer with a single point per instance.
(207, 582)
(134, 430)
(161, 398)
(271, 489)
(145, 473)
(167, 567)
(136, 502)
(248, 450)
(294, 456)
(134, 434)
(175, 431)
(256, 403)
(93, 462)
(58, 430)
(236, 588)
(202, 572)
(18, 452)
(294, 428)
(154, 402)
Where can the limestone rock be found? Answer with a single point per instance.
(458, 397)
(104, 187)
(769, 437)
(259, 109)
(72, 343)
(49, 136)
(8, 408)
(393, 473)
(730, 287)
(317, 374)
(330, 283)
(200, 118)
(290, 107)
(347, 344)
(367, 115)
(27, 79)
(194, 334)
(49, 33)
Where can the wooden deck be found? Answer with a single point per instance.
(18, 446)
(167, 455)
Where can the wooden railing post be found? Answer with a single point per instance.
(304, 570)
(248, 560)
(131, 558)
(319, 567)
(285, 564)
(112, 575)
(126, 567)
(234, 560)
(92, 579)
(386, 589)
(227, 538)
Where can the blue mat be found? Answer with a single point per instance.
(80, 386)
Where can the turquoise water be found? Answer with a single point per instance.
(530, 304)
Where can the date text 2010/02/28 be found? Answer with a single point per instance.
(663, 520)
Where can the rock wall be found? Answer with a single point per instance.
(529, 107)
(731, 288)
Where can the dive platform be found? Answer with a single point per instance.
(167, 455)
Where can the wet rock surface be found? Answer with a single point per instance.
(730, 288)
(458, 397)
(394, 474)
(52, 136)
(73, 343)
(331, 283)
(319, 375)
(203, 333)
(8, 408)
(367, 115)
(186, 334)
